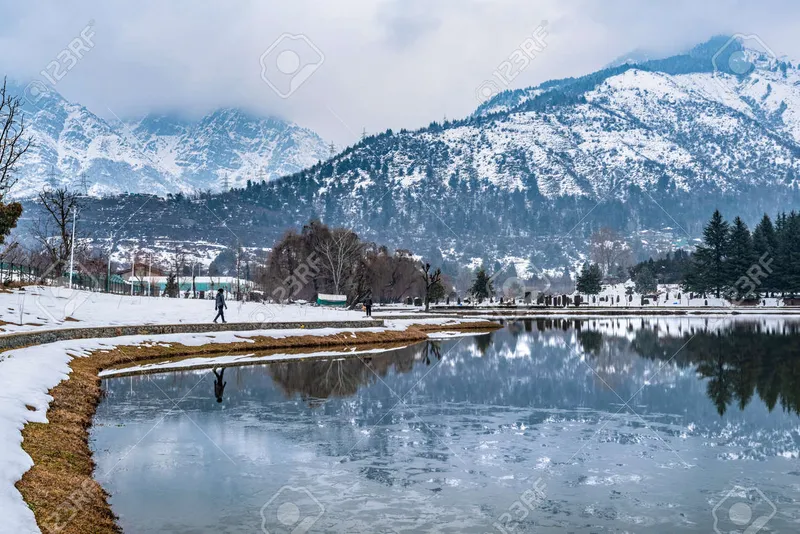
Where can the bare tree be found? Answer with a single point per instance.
(14, 143)
(609, 249)
(338, 250)
(433, 284)
(178, 264)
(54, 229)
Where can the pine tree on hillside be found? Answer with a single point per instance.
(709, 272)
(590, 279)
(741, 258)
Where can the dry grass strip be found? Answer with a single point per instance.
(59, 488)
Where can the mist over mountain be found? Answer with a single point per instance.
(157, 154)
(648, 148)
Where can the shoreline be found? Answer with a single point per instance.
(60, 487)
(533, 313)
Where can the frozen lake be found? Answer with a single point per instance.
(607, 425)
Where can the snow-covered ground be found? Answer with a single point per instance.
(48, 307)
(668, 295)
(616, 296)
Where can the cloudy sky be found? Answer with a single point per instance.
(372, 64)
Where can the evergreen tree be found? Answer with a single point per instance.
(645, 282)
(782, 254)
(590, 279)
(741, 258)
(171, 287)
(788, 255)
(709, 270)
(481, 286)
(765, 247)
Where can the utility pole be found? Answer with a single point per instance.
(72, 243)
(150, 276)
(133, 268)
(84, 184)
(363, 134)
(52, 177)
(111, 248)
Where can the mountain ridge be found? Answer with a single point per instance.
(157, 153)
(649, 153)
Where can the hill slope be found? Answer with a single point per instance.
(649, 149)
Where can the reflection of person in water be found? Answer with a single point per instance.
(219, 385)
(435, 348)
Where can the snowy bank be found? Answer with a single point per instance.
(48, 307)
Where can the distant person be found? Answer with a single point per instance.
(219, 385)
(220, 305)
(368, 306)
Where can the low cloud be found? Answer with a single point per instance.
(388, 63)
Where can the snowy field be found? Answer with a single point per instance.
(46, 307)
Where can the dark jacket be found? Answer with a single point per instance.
(368, 303)
(220, 302)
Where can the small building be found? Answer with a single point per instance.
(207, 284)
(340, 301)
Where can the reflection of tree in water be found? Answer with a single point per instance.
(483, 342)
(321, 379)
(432, 348)
(591, 341)
(739, 361)
(744, 360)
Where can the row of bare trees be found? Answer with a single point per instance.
(319, 259)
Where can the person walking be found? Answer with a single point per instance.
(368, 306)
(220, 305)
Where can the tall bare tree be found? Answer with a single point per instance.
(179, 263)
(339, 251)
(54, 228)
(433, 284)
(609, 249)
(14, 143)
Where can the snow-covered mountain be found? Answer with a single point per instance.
(649, 148)
(157, 154)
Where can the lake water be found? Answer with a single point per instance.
(606, 425)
